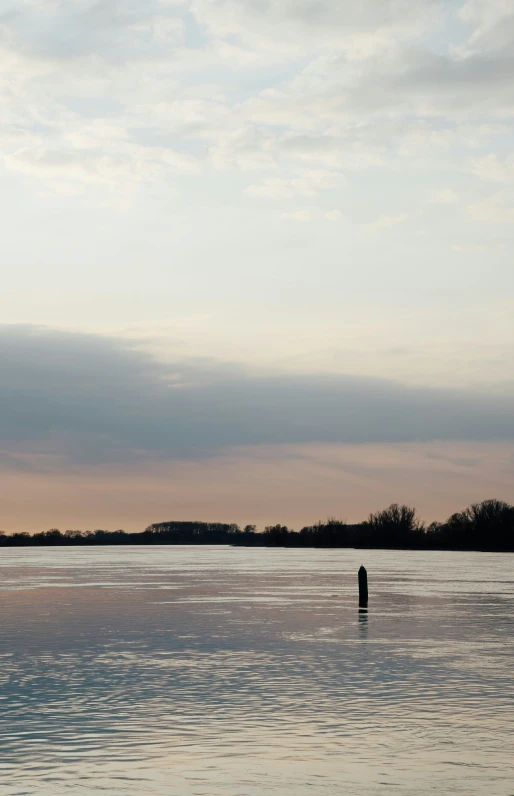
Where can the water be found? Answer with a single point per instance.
(192, 671)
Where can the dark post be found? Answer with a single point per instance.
(363, 588)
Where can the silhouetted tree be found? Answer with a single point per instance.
(276, 535)
(486, 525)
(330, 533)
(396, 525)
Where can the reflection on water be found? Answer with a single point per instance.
(363, 623)
(202, 671)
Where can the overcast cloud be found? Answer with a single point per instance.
(78, 398)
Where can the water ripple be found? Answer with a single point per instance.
(190, 671)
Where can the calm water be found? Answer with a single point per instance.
(203, 671)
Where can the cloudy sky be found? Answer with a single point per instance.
(257, 259)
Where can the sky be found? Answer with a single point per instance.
(256, 259)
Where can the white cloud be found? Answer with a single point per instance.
(79, 81)
(309, 184)
(469, 248)
(492, 211)
(301, 216)
(492, 24)
(445, 196)
(118, 166)
(383, 222)
(282, 28)
(334, 215)
(69, 31)
(492, 169)
(272, 188)
(373, 108)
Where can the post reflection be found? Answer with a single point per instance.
(363, 624)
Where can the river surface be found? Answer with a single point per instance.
(201, 671)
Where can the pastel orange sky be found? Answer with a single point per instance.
(296, 485)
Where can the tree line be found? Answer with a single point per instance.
(483, 526)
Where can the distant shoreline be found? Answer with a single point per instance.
(486, 527)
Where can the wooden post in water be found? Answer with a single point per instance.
(363, 588)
